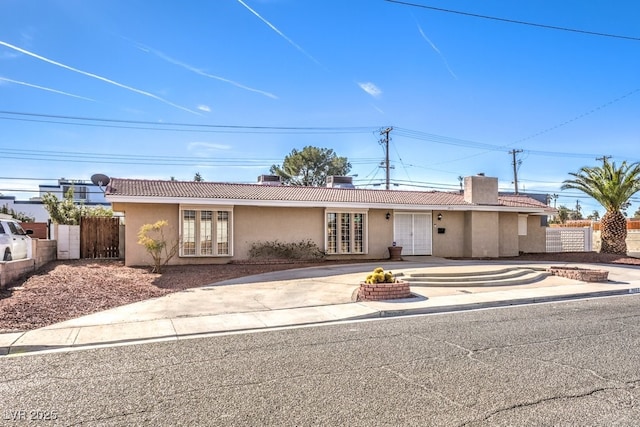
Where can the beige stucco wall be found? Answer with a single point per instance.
(509, 245)
(481, 190)
(467, 234)
(380, 234)
(250, 224)
(451, 243)
(536, 239)
(481, 234)
(139, 214)
(253, 224)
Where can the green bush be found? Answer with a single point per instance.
(302, 250)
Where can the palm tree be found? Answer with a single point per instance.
(612, 187)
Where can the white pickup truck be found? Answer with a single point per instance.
(15, 242)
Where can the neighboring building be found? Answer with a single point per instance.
(218, 222)
(83, 192)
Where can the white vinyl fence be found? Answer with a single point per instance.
(564, 239)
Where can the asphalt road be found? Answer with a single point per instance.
(571, 363)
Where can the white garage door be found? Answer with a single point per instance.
(412, 231)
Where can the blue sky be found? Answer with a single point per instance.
(229, 87)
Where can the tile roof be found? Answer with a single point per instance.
(138, 188)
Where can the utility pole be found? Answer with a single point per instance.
(385, 164)
(515, 167)
(603, 158)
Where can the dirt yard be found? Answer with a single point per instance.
(64, 290)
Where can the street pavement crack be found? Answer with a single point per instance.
(579, 368)
(423, 387)
(548, 341)
(492, 414)
(470, 353)
(256, 299)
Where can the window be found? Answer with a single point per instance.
(197, 232)
(522, 225)
(15, 228)
(346, 233)
(79, 191)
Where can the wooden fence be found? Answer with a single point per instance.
(99, 237)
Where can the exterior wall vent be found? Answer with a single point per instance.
(340, 182)
(269, 180)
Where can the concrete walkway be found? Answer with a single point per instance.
(303, 296)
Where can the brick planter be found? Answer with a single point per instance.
(383, 291)
(582, 274)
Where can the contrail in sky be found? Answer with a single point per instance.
(45, 88)
(280, 33)
(202, 73)
(95, 76)
(424, 36)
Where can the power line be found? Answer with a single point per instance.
(513, 21)
(408, 133)
(175, 126)
(84, 157)
(445, 140)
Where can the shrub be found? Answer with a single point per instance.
(380, 276)
(151, 236)
(302, 250)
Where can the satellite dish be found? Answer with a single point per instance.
(100, 180)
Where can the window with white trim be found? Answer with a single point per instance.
(522, 224)
(346, 232)
(205, 232)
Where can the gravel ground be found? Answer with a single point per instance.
(64, 290)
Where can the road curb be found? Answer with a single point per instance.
(506, 303)
(12, 350)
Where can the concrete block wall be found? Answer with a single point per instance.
(633, 241)
(44, 251)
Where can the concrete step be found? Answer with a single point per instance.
(470, 271)
(469, 276)
(500, 277)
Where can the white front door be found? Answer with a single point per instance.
(412, 231)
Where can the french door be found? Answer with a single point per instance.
(412, 231)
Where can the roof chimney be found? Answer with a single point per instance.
(481, 190)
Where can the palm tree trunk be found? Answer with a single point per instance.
(613, 233)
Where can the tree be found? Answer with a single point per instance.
(563, 214)
(636, 215)
(19, 216)
(198, 177)
(311, 166)
(67, 212)
(612, 187)
(595, 216)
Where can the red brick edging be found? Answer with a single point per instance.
(383, 291)
(582, 274)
